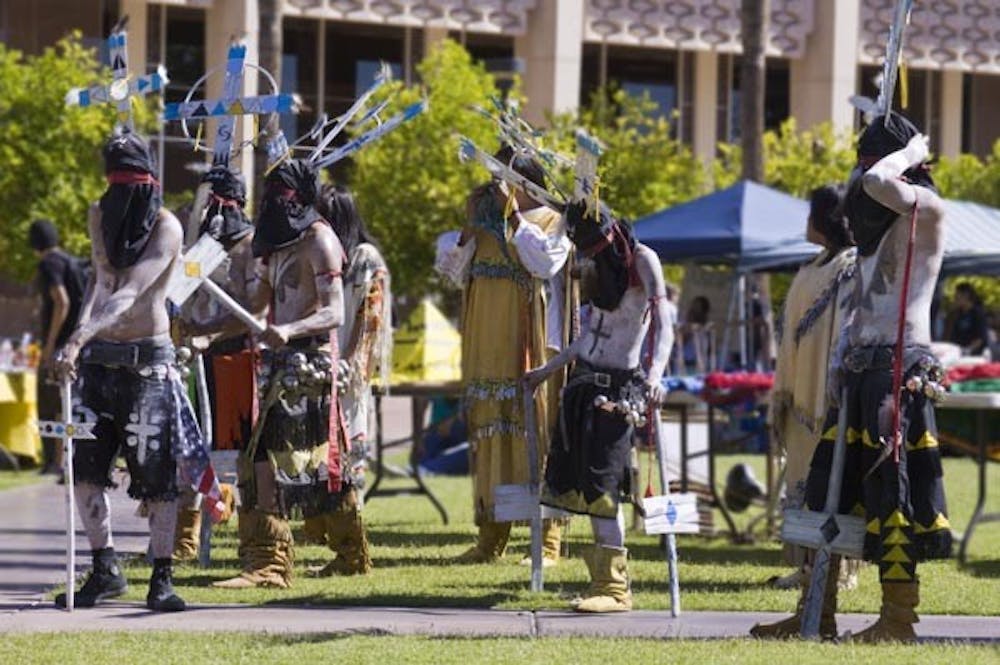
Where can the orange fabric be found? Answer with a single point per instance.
(234, 404)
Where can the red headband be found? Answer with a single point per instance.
(131, 178)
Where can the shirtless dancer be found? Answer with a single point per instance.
(903, 504)
(227, 350)
(588, 467)
(126, 381)
(294, 461)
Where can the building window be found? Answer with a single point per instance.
(776, 96)
(923, 103)
(495, 53)
(982, 123)
(658, 73)
(300, 73)
(184, 42)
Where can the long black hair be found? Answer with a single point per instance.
(337, 205)
(826, 214)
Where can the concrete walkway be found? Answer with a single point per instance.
(32, 561)
(445, 622)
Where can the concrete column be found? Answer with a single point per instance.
(432, 37)
(552, 51)
(824, 79)
(951, 114)
(225, 19)
(138, 34)
(706, 101)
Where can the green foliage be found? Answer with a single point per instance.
(410, 185)
(643, 168)
(794, 162)
(50, 153)
(970, 178)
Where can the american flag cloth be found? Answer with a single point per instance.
(337, 429)
(194, 467)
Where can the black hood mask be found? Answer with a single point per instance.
(224, 217)
(288, 207)
(610, 245)
(869, 219)
(131, 205)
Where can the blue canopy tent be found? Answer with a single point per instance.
(753, 227)
(748, 225)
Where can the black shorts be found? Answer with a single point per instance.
(588, 470)
(133, 408)
(903, 504)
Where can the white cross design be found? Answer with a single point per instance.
(142, 431)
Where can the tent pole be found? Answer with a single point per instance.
(730, 315)
(743, 319)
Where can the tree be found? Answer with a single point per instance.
(794, 162)
(970, 178)
(50, 153)
(643, 168)
(410, 185)
(753, 21)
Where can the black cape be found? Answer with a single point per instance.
(869, 219)
(226, 221)
(288, 207)
(611, 245)
(129, 212)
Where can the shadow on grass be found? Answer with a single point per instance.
(705, 553)
(439, 601)
(383, 537)
(988, 568)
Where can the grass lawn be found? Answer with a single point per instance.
(11, 479)
(167, 648)
(413, 550)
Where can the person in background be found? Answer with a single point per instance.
(61, 282)
(445, 446)
(695, 330)
(967, 326)
(816, 307)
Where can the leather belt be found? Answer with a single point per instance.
(126, 354)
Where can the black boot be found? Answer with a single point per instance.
(49, 466)
(105, 581)
(161, 596)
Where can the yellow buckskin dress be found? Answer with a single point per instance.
(503, 335)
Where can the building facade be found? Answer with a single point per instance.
(683, 53)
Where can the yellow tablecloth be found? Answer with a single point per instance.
(19, 414)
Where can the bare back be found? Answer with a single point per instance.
(881, 277)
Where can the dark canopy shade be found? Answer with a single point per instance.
(748, 225)
(754, 227)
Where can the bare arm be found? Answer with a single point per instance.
(533, 378)
(883, 182)
(651, 275)
(325, 256)
(60, 310)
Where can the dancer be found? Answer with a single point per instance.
(126, 380)
(902, 502)
(296, 457)
(818, 304)
(588, 469)
(505, 257)
(365, 342)
(225, 346)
